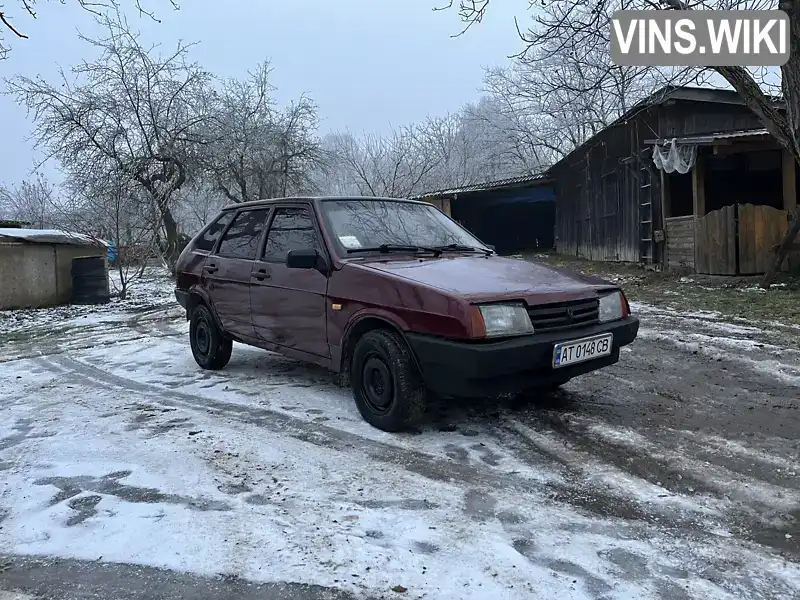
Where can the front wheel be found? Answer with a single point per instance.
(210, 348)
(387, 386)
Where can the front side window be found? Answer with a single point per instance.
(291, 229)
(206, 241)
(242, 238)
(362, 224)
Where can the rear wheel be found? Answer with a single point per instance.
(210, 348)
(387, 386)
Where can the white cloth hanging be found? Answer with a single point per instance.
(673, 157)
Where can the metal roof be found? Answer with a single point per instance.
(510, 182)
(710, 138)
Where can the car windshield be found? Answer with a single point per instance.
(386, 225)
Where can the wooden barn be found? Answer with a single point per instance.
(729, 212)
(513, 214)
(615, 204)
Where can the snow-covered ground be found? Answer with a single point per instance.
(154, 290)
(116, 448)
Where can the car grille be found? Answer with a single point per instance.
(564, 315)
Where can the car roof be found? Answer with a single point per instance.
(298, 199)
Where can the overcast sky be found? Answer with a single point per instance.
(369, 64)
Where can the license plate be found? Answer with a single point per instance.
(578, 351)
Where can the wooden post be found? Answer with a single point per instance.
(446, 207)
(698, 197)
(699, 186)
(666, 209)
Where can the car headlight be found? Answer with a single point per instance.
(505, 319)
(612, 307)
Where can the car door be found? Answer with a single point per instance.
(227, 272)
(288, 305)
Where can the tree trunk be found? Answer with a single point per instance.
(123, 281)
(172, 242)
(782, 251)
(790, 84)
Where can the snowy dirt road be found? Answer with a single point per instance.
(127, 472)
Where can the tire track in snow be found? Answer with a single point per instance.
(606, 503)
(318, 434)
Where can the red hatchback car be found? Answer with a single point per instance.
(397, 298)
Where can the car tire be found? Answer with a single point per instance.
(210, 348)
(387, 386)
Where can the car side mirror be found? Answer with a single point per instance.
(302, 259)
(491, 247)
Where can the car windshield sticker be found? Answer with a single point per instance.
(349, 241)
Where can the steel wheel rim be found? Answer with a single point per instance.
(202, 337)
(377, 385)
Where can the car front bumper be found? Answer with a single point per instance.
(470, 369)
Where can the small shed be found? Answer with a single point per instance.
(512, 214)
(730, 209)
(36, 265)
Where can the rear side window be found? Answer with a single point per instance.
(242, 238)
(205, 243)
(292, 229)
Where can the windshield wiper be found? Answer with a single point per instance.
(384, 248)
(462, 248)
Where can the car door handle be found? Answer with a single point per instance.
(211, 268)
(261, 274)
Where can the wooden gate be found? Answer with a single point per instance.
(738, 240)
(715, 242)
(760, 229)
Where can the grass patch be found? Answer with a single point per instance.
(732, 297)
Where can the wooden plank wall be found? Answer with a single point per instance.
(686, 117)
(760, 228)
(680, 242)
(597, 206)
(715, 242)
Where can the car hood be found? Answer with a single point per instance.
(479, 278)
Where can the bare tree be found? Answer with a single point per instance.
(256, 149)
(131, 111)
(574, 22)
(396, 165)
(197, 203)
(29, 8)
(512, 133)
(562, 90)
(32, 202)
(456, 148)
(109, 207)
(333, 176)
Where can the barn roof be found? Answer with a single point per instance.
(510, 182)
(667, 93)
(710, 138)
(49, 236)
